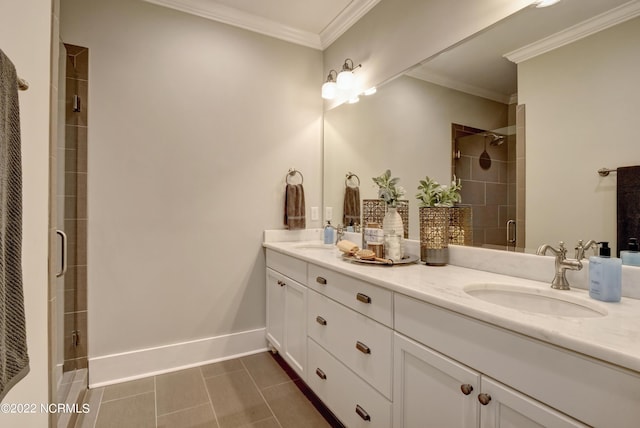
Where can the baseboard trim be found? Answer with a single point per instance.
(116, 368)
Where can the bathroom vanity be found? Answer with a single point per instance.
(412, 346)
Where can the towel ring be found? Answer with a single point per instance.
(349, 176)
(291, 173)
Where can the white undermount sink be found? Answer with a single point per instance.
(541, 301)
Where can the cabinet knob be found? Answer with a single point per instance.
(321, 374)
(362, 348)
(466, 389)
(363, 298)
(321, 280)
(484, 398)
(362, 413)
(281, 283)
(321, 320)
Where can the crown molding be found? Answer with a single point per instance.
(349, 16)
(579, 31)
(237, 18)
(228, 15)
(447, 82)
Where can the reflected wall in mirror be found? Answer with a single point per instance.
(577, 97)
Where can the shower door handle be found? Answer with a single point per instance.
(63, 258)
(511, 231)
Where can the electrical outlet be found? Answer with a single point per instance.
(315, 213)
(328, 213)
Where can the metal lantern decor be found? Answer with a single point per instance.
(434, 235)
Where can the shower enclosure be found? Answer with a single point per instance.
(486, 162)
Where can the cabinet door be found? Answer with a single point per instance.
(431, 390)
(507, 408)
(295, 326)
(275, 309)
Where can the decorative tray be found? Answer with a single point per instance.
(405, 261)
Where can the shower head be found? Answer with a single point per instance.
(496, 140)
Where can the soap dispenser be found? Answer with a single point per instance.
(328, 233)
(631, 256)
(605, 275)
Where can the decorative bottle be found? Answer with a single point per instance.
(605, 276)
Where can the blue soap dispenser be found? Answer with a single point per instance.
(605, 276)
(631, 256)
(328, 233)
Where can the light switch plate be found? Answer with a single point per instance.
(314, 213)
(328, 213)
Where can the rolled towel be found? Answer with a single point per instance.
(347, 247)
(351, 208)
(294, 215)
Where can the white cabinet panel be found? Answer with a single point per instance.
(362, 344)
(352, 400)
(431, 390)
(368, 299)
(510, 409)
(286, 319)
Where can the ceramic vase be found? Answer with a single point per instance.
(393, 228)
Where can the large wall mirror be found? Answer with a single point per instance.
(451, 112)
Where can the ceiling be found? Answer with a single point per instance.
(312, 23)
(485, 64)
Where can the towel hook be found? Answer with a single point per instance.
(349, 176)
(292, 172)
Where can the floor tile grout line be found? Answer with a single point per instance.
(213, 408)
(261, 394)
(126, 397)
(95, 421)
(280, 384)
(221, 374)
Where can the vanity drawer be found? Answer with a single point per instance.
(362, 344)
(370, 300)
(289, 266)
(351, 399)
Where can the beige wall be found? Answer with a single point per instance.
(397, 34)
(193, 127)
(582, 109)
(25, 31)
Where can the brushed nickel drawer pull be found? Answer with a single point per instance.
(466, 389)
(321, 320)
(363, 298)
(361, 412)
(321, 280)
(321, 374)
(362, 348)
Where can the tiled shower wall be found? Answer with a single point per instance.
(72, 203)
(491, 192)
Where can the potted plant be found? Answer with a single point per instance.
(434, 213)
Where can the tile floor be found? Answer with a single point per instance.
(257, 391)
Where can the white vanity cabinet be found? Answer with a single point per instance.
(287, 310)
(433, 390)
(531, 383)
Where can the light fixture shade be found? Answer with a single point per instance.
(346, 79)
(329, 90)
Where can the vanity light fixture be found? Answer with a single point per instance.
(346, 79)
(329, 88)
(372, 90)
(545, 3)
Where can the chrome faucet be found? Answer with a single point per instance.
(562, 263)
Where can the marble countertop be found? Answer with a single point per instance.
(614, 338)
